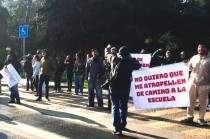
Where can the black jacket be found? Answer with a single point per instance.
(125, 69)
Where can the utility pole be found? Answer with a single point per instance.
(28, 10)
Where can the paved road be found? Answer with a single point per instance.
(66, 116)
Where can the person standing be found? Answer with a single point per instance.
(12, 59)
(35, 76)
(79, 71)
(29, 72)
(47, 68)
(69, 64)
(95, 69)
(110, 58)
(168, 59)
(199, 80)
(120, 82)
(58, 73)
(183, 57)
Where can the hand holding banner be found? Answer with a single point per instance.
(143, 59)
(10, 75)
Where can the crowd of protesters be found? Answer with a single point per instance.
(39, 68)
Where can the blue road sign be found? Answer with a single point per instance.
(23, 31)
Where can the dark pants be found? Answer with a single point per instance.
(14, 93)
(119, 99)
(69, 80)
(209, 98)
(57, 81)
(36, 82)
(109, 101)
(29, 81)
(44, 78)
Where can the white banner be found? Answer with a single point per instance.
(144, 60)
(10, 75)
(161, 87)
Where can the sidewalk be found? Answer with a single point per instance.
(158, 123)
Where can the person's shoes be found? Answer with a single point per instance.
(117, 132)
(88, 106)
(75, 94)
(38, 99)
(36, 95)
(18, 102)
(187, 120)
(125, 129)
(100, 107)
(47, 99)
(201, 122)
(27, 89)
(108, 108)
(80, 94)
(11, 101)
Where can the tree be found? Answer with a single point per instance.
(24, 12)
(3, 31)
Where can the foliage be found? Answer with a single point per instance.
(79, 25)
(18, 11)
(169, 41)
(3, 32)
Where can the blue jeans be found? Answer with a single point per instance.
(93, 83)
(78, 80)
(14, 93)
(119, 100)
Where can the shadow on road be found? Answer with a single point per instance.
(6, 119)
(3, 136)
(144, 117)
(63, 115)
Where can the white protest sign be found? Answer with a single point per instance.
(10, 75)
(143, 59)
(161, 87)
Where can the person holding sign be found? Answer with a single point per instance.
(120, 81)
(198, 84)
(12, 59)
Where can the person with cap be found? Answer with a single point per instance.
(120, 81)
(29, 72)
(47, 69)
(199, 80)
(95, 69)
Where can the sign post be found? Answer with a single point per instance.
(23, 33)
